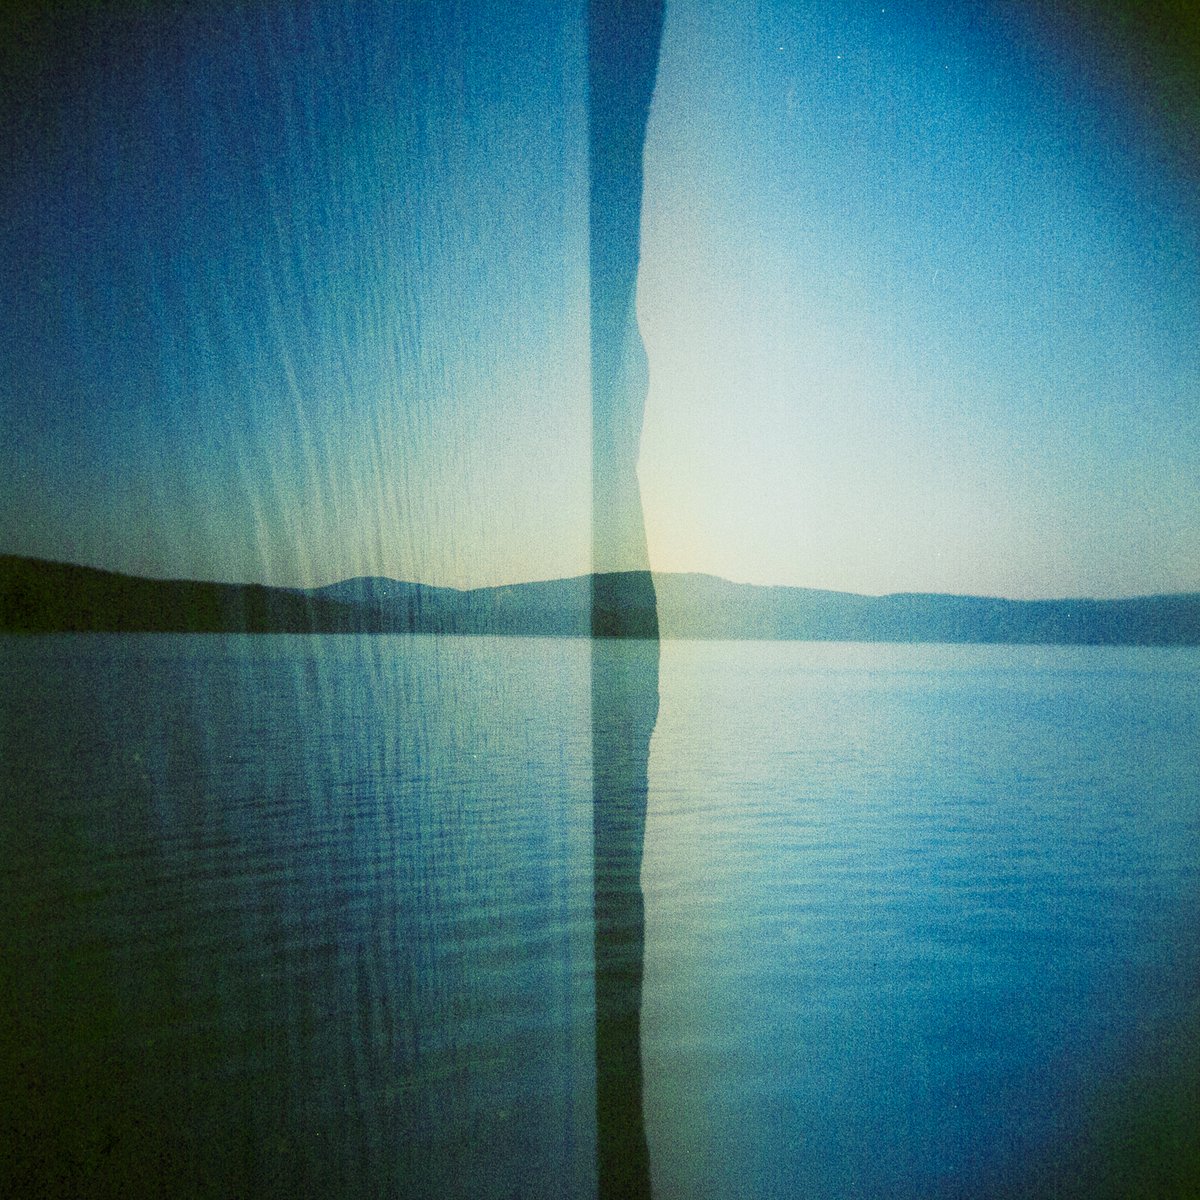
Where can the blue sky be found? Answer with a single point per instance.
(296, 296)
(922, 310)
(299, 293)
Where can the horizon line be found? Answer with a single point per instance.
(1059, 599)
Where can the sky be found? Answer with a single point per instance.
(295, 293)
(922, 309)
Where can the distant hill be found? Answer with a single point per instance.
(701, 606)
(50, 597)
(43, 597)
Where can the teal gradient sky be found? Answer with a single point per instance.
(299, 292)
(922, 308)
(293, 295)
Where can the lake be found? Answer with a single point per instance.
(393, 916)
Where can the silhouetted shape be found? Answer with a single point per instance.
(624, 605)
(623, 42)
(624, 709)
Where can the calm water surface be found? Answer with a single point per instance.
(294, 915)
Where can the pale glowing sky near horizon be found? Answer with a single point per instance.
(922, 313)
(292, 299)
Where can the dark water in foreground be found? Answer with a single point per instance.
(315, 916)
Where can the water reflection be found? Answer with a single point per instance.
(296, 916)
(624, 709)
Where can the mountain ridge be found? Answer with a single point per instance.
(44, 596)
